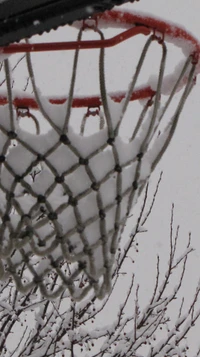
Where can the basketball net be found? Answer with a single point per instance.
(65, 197)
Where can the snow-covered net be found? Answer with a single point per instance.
(65, 197)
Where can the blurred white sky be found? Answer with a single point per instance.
(180, 164)
(181, 178)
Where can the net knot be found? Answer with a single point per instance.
(52, 216)
(41, 199)
(2, 158)
(72, 201)
(59, 179)
(64, 139)
(12, 135)
(83, 161)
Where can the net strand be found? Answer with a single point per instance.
(72, 85)
(134, 79)
(36, 92)
(157, 98)
(174, 121)
(103, 90)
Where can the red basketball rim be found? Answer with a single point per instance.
(134, 24)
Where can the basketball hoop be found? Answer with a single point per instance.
(65, 197)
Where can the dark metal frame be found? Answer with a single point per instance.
(24, 18)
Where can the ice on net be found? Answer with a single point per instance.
(39, 144)
(42, 182)
(81, 183)
(102, 164)
(86, 145)
(26, 203)
(62, 159)
(20, 159)
(125, 150)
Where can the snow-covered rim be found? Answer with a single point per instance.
(134, 24)
(171, 32)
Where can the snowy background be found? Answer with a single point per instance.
(180, 165)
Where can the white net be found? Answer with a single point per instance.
(65, 197)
